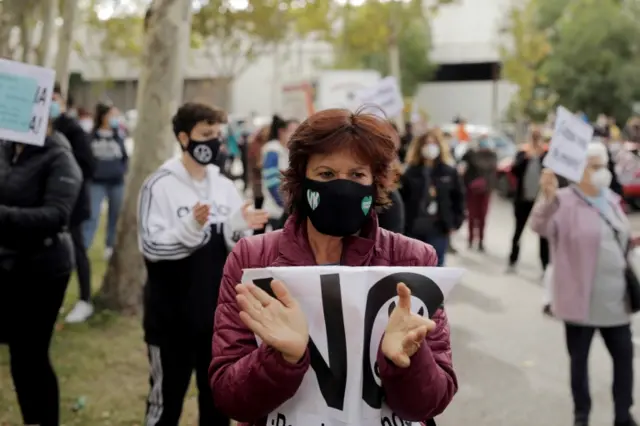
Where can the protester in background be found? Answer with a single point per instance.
(39, 186)
(589, 236)
(527, 168)
(462, 135)
(112, 160)
(346, 159)
(632, 129)
(432, 193)
(405, 140)
(275, 160)
(81, 148)
(256, 142)
(480, 165)
(614, 130)
(392, 217)
(188, 215)
(85, 120)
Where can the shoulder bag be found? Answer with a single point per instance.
(633, 284)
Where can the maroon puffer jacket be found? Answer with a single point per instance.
(249, 382)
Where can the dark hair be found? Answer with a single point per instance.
(192, 113)
(370, 138)
(57, 89)
(277, 124)
(102, 109)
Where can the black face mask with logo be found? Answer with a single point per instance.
(338, 207)
(204, 152)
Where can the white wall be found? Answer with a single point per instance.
(467, 31)
(472, 100)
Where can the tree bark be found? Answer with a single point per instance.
(25, 37)
(65, 44)
(49, 15)
(160, 89)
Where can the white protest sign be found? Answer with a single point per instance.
(25, 98)
(347, 309)
(567, 155)
(385, 95)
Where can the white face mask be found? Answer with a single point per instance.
(601, 178)
(430, 151)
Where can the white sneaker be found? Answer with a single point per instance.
(108, 251)
(80, 312)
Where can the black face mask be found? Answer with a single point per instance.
(204, 152)
(338, 207)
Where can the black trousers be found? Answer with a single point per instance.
(83, 266)
(30, 299)
(172, 364)
(522, 210)
(620, 346)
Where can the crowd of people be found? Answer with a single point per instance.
(339, 188)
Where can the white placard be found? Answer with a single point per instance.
(567, 154)
(347, 310)
(25, 99)
(385, 96)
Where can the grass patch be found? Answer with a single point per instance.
(102, 366)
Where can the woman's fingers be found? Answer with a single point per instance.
(281, 292)
(405, 296)
(401, 360)
(251, 306)
(260, 294)
(254, 326)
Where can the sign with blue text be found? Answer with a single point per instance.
(25, 99)
(347, 310)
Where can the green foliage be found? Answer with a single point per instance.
(121, 34)
(522, 61)
(368, 31)
(595, 63)
(234, 38)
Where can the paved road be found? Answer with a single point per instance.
(510, 359)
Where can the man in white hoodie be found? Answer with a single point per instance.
(189, 216)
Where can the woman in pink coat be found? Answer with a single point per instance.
(589, 236)
(340, 169)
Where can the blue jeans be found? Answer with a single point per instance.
(440, 243)
(98, 192)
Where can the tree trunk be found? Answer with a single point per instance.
(65, 44)
(394, 56)
(160, 89)
(49, 15)
(25, 37)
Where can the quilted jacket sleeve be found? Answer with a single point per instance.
(248, 382)
(425, 388)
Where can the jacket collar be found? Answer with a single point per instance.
(294, 248)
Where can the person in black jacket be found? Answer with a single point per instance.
(527, 169)
(432, 193)
(392, 218)
(39, 186)
(81, 148)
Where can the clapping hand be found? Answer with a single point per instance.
(548, 184)
(256, 219)
(405, 330)
(279, 322)
(201, 213)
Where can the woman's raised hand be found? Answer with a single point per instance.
(405, 330)
(279, 322)
(548, 184)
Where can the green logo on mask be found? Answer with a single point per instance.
(366, 204)
(313, 198)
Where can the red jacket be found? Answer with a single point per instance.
(249, 382)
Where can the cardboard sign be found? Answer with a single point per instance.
(25, 98)
(347, 309)
(384, 99)
(567, 155)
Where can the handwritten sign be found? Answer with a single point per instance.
(567, 155)
(385, 96)
(25, 99)
(347, 309)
